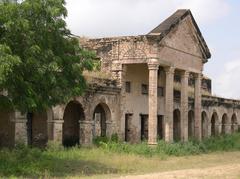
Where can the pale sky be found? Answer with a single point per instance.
(218, 20)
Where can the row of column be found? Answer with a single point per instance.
(153, 66)
(55, 130)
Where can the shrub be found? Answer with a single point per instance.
(54, 146)
(100, 139)
(223, 143)
(114, 138)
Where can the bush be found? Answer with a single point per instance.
(223, 142)
(219, 143)
(114, 138)
(99, 140)
(54, 146)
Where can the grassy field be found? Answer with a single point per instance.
(113, 159)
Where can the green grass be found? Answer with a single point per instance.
(107, 157)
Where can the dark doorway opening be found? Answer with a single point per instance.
(176, 125)
(160, 127)
(71, 129)
(144, 127)
(191, 124)
(128, 123)
(37, 130)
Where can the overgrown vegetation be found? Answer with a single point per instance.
(108, 157)
(218, 143)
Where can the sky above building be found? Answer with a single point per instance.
(218, 21)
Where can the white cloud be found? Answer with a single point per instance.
(131, 17)
(228, 83)
(98, 18)
(207, 11)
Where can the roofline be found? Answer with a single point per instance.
(205, 50)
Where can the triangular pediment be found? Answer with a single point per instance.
(181, 32)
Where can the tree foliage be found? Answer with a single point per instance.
(41, 63)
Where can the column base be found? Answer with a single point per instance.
(152, 143)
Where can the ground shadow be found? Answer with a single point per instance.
(35, 163)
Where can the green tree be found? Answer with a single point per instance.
(41, 63)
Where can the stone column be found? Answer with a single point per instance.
(152, 101)
(20, 121)
(168, 118)
(228, 128)
(235, 127)
(198, 106)
(209, 132)
(109, 128)
(119, 74)
(85, 135)
(218, 128)
(184, 105)
(55, 130)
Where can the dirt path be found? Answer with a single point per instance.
(230, 171)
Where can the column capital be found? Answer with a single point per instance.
(198, 75)
(169, 70)
(109, 122)
(185, 74)
(153, 64)
(85, 122)
(56, 121)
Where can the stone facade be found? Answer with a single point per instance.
(156, 90)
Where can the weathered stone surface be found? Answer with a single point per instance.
(162, 71)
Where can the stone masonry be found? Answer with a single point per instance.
(153, 89)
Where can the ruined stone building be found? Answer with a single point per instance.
(150, 87)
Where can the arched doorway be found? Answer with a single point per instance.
(214, 121)
(176, 125)
(190, 124)
(224, 123)
(7, 128)
(204, 125)
(71, 130)
(37, 129)
(234, 124)
(101, 115)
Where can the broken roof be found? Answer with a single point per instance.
(167, 25)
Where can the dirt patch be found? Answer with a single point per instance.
(230, 171)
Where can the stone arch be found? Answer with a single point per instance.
(133, 53)
(214, 124)
(73, 113)
(234, 123)
(7, 127)
(101, 116)
(176, 125)
(204, 125)
(37, 128)
(190, 124)
(224, 123)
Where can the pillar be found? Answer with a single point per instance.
(228, 127)
(209, 125)
(109, 128)
(20, 121)
(152, 101)
(218, 128)
(119, 74)
(184, 105)
(55, 130)
(198, 106)
(168, 119)
(86, 134)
